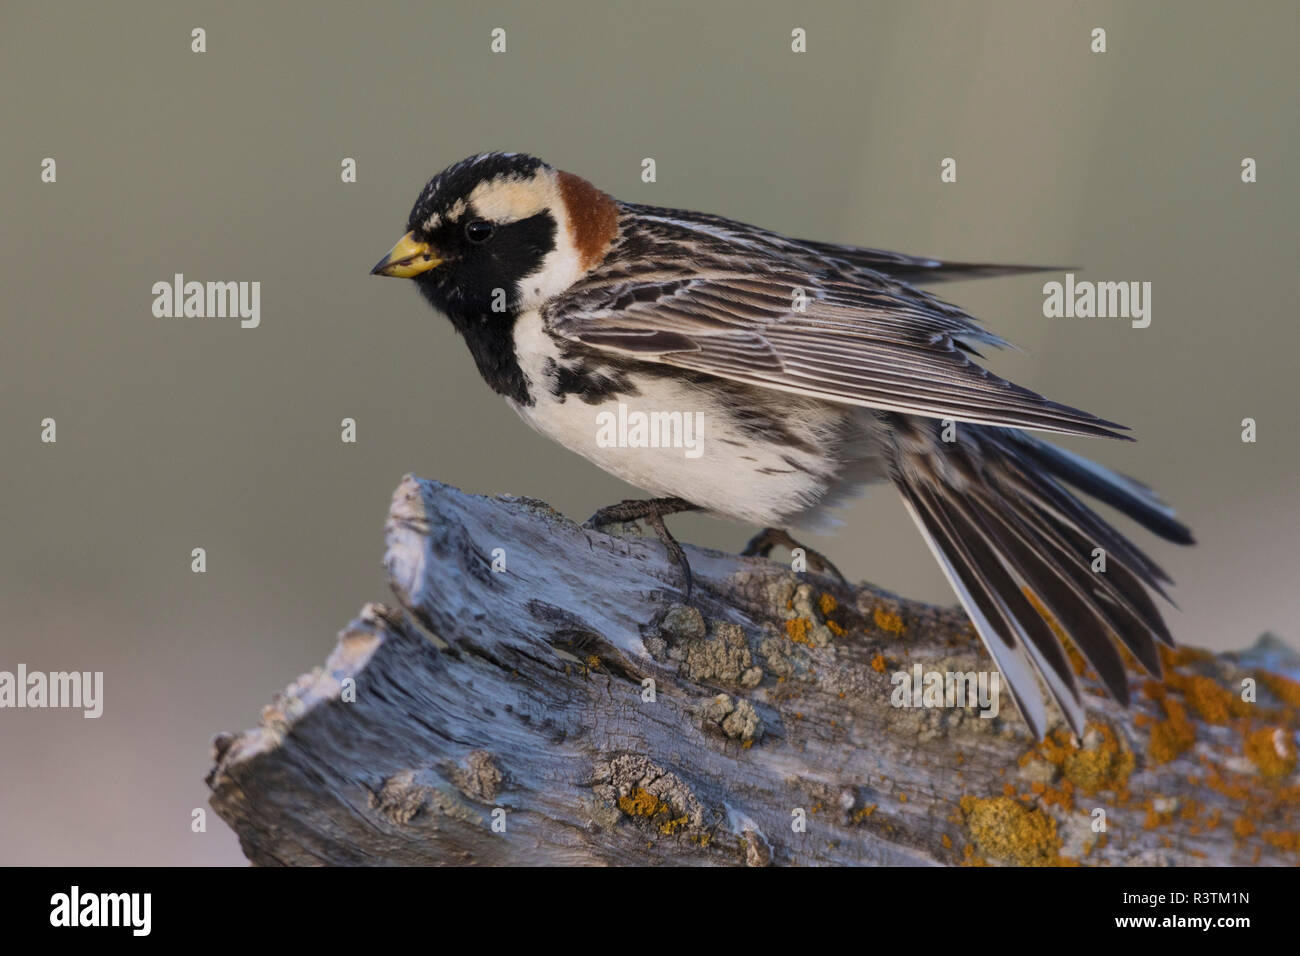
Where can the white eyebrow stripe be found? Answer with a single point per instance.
(508, 198)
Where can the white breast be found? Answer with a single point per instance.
(705, 453)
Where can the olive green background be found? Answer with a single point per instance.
(183, 433)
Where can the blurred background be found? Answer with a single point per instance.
(182, 433)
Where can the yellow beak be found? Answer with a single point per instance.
(406, 259)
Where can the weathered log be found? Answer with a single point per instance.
(551, 703)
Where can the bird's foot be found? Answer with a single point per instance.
(761, 545)
(652, 511)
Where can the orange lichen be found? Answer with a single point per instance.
(1236, 789)
(1062, 796)
(669, 827)
(797, 630)
(969, 857)
(1272, 751)
(1156, 818)
(640, 803)
(1105, 764)
(857, 816)
(1174, 736)
(1288, 840)
(1173, 657)
(1285, 689)
(888, 621)
(1005, 830)
(878, 663)
(1212, 703)
(827, 605)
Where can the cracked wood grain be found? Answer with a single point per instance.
(566, 710)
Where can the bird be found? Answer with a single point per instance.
(815, 370)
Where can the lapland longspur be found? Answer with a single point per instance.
(814, 369)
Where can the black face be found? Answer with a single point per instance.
(479, 256)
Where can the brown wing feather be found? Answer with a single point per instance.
(707, 295)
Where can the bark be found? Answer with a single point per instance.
(552, 703)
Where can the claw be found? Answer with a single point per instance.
(652, 512)
(656, 523)
(761, 545)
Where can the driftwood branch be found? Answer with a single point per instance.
(565, 709)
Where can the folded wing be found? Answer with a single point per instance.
(865, 340)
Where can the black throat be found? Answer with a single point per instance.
(491, 340)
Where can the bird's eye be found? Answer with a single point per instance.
(479, 230)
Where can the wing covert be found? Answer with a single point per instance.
(884, 345)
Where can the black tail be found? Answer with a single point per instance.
(1121, 492)
(1020, 549)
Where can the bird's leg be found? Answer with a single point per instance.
(652, 512)
(761, 546)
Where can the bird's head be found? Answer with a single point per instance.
(501, 233)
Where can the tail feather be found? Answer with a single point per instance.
(920, 270)
(1122, 586)
(1018, 613)
(1067, 586)
(1018, 549)
(1119, 491)
(993, 629)
(1030, 481)
(1055, 582)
